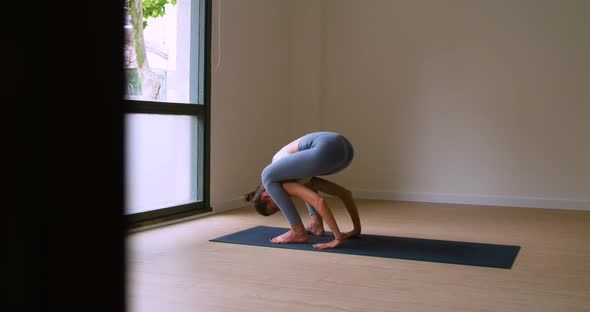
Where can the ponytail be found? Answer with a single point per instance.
(254, 199)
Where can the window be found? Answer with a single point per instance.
(167, 113)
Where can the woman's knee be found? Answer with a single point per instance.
(267, 176)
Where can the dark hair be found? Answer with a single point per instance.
(254, 198)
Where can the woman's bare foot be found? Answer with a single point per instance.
(316, 226)
(293, 236)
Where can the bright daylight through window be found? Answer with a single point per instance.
(166, 120)
(158, 50)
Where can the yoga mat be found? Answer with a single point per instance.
(453, 252)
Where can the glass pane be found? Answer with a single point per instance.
(162, 58)
(160, 162)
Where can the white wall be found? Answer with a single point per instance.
(249, 94)
(461, 100)
(304, 66)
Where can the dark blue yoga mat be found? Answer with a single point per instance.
(477, 254)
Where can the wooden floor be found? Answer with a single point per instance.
(176, 268)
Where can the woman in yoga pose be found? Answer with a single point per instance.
(293, 172)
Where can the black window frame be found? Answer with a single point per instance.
(203, 113)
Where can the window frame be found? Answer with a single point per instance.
(200, 111)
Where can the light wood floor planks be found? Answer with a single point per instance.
(176, 268)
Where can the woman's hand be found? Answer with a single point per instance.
(331, 244)
(320, 205)
(345, 195)
(352, 233)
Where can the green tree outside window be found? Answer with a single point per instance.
(139, 11)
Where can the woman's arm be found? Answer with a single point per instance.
(319, 203)
(345, 195)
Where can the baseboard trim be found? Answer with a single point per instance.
(170, 222)
(487, 200)
(228, 205)
(216, 208)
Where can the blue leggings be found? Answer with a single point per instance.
(320, 153)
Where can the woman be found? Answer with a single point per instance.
(293, 172)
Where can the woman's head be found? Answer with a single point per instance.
(262, 201)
